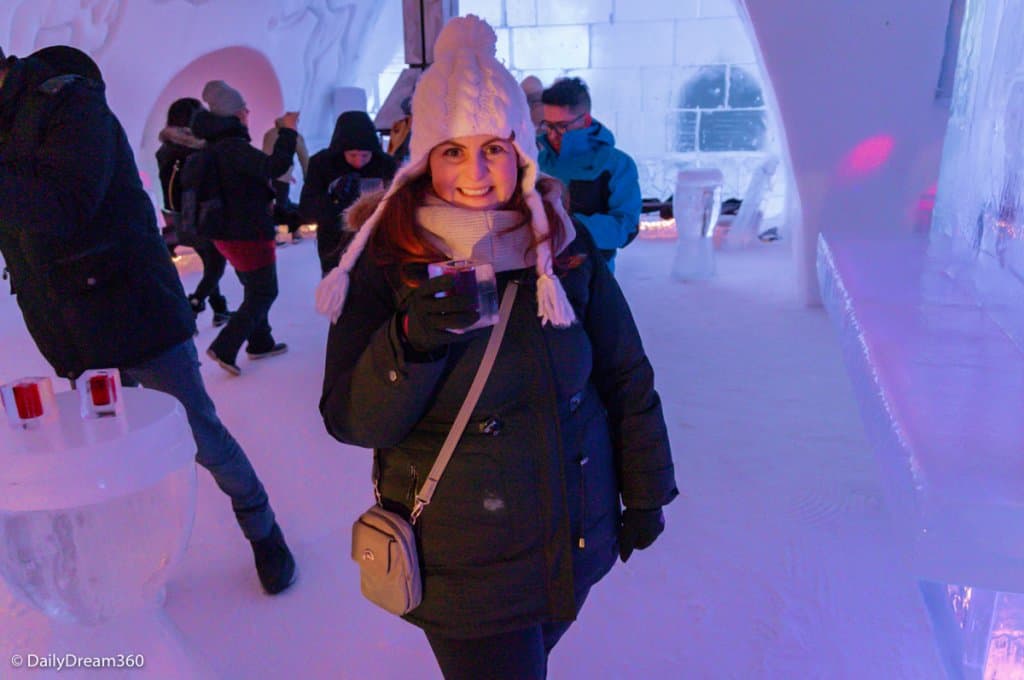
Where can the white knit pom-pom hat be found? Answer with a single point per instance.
(465, 92)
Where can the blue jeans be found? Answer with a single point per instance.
(176, 372)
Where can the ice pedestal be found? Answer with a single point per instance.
(93, 516)
(696, 206)
(940, 386)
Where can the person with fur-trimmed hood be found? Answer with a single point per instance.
(528, 515)
(92, 275)
(333, 182)
(177, 143)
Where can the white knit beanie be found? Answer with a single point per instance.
(465, 92)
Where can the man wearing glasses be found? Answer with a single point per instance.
(604, 189)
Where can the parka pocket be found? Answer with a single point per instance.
(95, 269)
(98, 307)
(468, 521)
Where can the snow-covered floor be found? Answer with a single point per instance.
(779, 560)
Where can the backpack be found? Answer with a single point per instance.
(202, 203)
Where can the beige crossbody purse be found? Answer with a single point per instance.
(384, 542)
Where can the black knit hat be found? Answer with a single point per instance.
(68, 60)
(180, 113)
(354, 131)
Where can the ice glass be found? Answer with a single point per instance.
(475, 280)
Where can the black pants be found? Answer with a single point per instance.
(330, 244)
(250, 321)
(517, 655)
(285, 212)
(213, 268)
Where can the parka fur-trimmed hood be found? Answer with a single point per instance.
(182, 136)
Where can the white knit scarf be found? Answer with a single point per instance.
(488, 236)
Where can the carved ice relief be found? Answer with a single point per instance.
(86, 24)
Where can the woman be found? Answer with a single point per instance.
(526, 517)
(176, 144)
(333, 182)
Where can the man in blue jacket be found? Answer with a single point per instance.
(604, 188)
(92, 275)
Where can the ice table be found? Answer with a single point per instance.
(93, 516)
(941, 392)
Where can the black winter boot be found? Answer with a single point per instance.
(219, 305)
(274, 562)
(197, 305)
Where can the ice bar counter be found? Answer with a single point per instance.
(94, 514)
(940, 387)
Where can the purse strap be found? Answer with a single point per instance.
(426, 492)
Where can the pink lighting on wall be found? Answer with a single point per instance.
(867, 157)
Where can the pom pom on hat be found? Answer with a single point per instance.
(466, 33)
(465, 92)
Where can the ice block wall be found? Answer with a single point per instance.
(678, 82)
(979, 213)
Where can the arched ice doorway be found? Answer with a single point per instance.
(243, 68)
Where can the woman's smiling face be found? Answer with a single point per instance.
(478, 171)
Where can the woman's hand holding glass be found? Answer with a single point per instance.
(426, 319)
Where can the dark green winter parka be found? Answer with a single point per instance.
(526, 516)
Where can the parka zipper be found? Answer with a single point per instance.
(582, 543)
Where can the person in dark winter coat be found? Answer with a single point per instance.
(286, 212)
(177, 143)
(526, 517)
(333, 183)
(92, 276)
(246, 237)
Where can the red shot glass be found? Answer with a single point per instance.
(28, 402)
(100, 393)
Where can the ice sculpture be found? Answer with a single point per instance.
(696, 206)
(94, 513)
(748, 223)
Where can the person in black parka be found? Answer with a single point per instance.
(528, 515)
(92, 275)
(177, 143)
(245, 236)
(333, 181)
